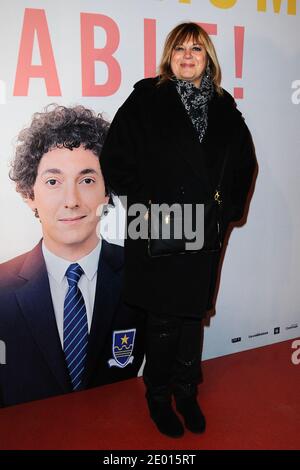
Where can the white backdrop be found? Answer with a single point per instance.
(259, 296)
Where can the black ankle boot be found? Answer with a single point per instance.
(165, 418)
(194, 419)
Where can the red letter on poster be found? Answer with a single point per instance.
(89, 55)
(210, 28)
(149, 48)
(35, 21)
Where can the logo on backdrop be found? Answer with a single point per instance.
(236, 340)
(122, 348)
(291, 327)
(261, 333)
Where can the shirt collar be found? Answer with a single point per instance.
(57, 266)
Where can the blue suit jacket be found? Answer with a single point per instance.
(35, 364)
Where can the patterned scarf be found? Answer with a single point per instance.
(195, 101)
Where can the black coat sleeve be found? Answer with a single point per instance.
(244, 168)
(119, 159)
(244, 163)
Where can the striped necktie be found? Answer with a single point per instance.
(75, 327)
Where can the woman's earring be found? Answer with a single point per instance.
(207, 70)
(36, 214)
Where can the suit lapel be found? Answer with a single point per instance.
(35, 302)
(106, 300)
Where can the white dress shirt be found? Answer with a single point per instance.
(56, 268)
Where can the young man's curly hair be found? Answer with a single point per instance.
(58, 126)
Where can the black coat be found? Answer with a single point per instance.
(153, 152)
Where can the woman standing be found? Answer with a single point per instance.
(169, 142)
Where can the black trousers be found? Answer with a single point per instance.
(173, 356)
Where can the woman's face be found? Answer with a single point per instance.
(188, 61)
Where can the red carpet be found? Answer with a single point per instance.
(251, 401)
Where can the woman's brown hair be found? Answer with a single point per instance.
(178, 35)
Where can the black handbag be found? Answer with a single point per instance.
(166, 226)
